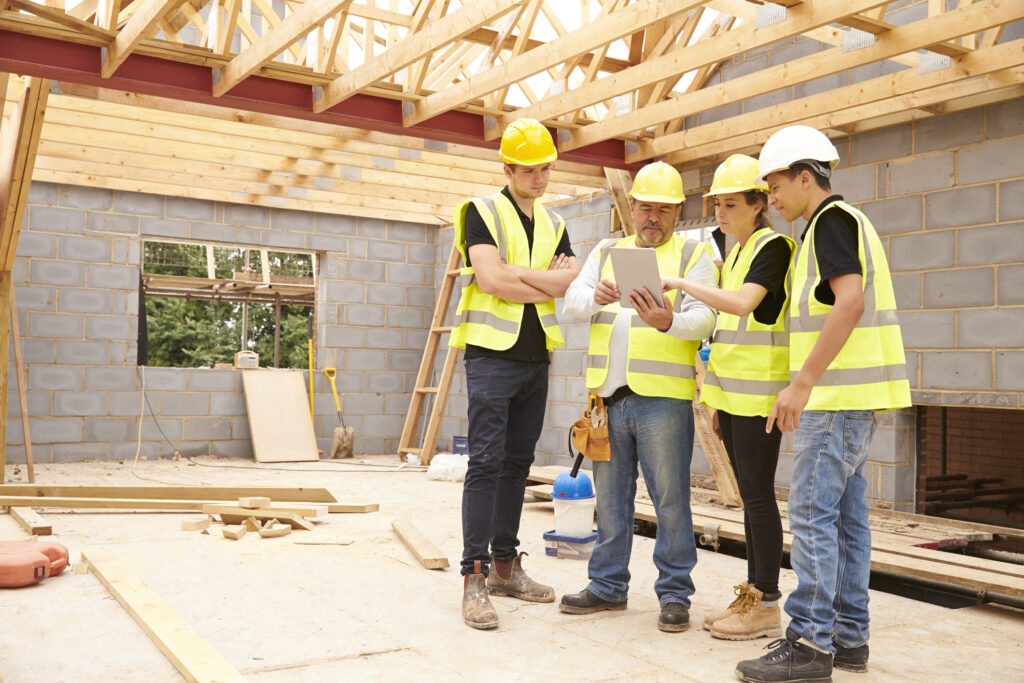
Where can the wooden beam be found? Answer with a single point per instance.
(138, 27)
(226, 31)
(31, 521)
(192, 656)
(297, 24)
(5, 338)
(62, 18)
(586, 38)
(22, 391)
(898, 41)
(619, 184)
(19, 140)
(296, 494)
(415, 46)
(419, 545)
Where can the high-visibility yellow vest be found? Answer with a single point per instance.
(870, 371)
(749, 361)
(658, 363)
(485, 320)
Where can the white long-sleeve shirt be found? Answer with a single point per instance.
(694, 320)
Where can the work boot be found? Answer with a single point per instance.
(674, 617)
(789, 661)
(753, 620)
(742, 592)
(477, 610)
(508, 578)
(851, 658)
(586, 602)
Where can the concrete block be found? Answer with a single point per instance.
(36, 244)
(991, 327)
(38, 350)
(112, 379)
(987, 245)
(54, 430)
(73, 196)
(890, 445)
(163, 227)
(190, 209)
(75, 248)
(576, 390)
(373, 228)
(112, 222)
(959, 287)
(1011, 285)
(249, 236)
(184, 403)
(227, 403)
(792, 50)
(328, 243)
(386, 339)
(928, 329)
(382, 426)
(72, 352)
(36, 298)
(769, 99)
(999, 400)
(126, 403)
(356, 314)
(956, 370)
(987, 161)
(203, 428)
(953, 130)
(369, 271)
(231, 449)
(393, 295)
(53, 219)
(111, 429)
(365, 359)
(139, 203)
(422, 297)
(881, 144)
(1010, 370)
(247, 215)
(207, 379)
(286, 219)
(114, 277)
(874, 70)
(817, 86)
(921, 173)
(408, 361)
(397, 404)
(747, 66)
(55, 325)
(362, 404)
(240, 428)
(356, 248)
(167, 379)
(78, 403)
(336, 225)
(77, 452)
(57, 273)
(1006, 118)
(1011, 201)
(344, 292)
(406, 274)
(922, 250)
(111, 327)
(73, 300)
(345, 337)
(42, 193)
(856, 183)
(283, 239)
(424, 254)
(567, 363)
(384, 382)
(416, 339)
(398, 316)
(404, 231)
(212, 232)
(908, 290)
(385, 250)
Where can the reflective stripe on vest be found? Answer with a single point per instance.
(483, 319)
(749, 362)
(869, 372)
(658, 364)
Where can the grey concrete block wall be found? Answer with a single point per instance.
(76, 278)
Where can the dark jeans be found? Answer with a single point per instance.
(754, 455)
(507, 399)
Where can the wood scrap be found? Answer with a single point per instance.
(253, 524)
(352, 507)
(302, 511)
(81, 568)
(195, 524)
(273, 529)
(420, 546)
(239, 515)
(194, 658)
(234, 531)
(31, 521)
(254, 502)
(294, 494)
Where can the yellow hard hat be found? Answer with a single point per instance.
(658, 182)
(738, 173)
(527, 142)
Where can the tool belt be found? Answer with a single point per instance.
(589, 434)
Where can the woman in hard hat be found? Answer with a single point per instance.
(749, 364)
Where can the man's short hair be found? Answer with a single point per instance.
(799, 167)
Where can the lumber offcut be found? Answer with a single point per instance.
(205, 493)
(31, 521)
(239, 515)
(353, 507)
(420, 546)
(194, 658)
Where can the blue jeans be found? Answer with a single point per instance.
(828, 517)
(657, 434)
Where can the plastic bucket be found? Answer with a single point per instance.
(574, 517)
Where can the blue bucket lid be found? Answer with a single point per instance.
(568, 487)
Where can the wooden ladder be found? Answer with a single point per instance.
(422, 390)
(714, 449)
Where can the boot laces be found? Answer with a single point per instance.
(781, 651)
(744, 601)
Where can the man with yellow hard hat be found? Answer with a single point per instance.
(518, 259)
(641, 360)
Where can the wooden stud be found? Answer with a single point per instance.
(197, 493)
(22, 391)
(420, 546)
(19, 139)
(5, 311)
(254, 502)
(62, 18)
(31, 521)
(352, 507)
(619, 184)
(234, 531)
(195, 524)
(192, 656)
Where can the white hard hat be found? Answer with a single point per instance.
(794, 144)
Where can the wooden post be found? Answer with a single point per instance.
(22, 389)
(277, 331)
(5, 336)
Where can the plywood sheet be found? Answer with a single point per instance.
(279, 419)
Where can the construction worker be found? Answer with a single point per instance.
(518, 259)
(641, 360)
(749, 364)
(846, 363)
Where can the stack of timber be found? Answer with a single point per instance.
(901, 543)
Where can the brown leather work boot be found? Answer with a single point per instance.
(508, 578)
(743, 596)
(753, 621)
(477, 610)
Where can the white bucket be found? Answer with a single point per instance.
(574, 517)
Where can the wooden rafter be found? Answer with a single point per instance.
(142, 23)
(19, 140)
(526, 22)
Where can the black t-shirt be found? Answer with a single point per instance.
(531, 345)
(835, 246)
(769, 270)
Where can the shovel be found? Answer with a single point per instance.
(344, 437)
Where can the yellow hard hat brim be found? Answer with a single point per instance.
(735, 190)
(659, 198)
(546, 159)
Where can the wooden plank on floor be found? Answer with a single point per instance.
(307, 511)
(279, 419)
(420, 546)
(31, 521)
(107, 503)
(194, 658)
(291, 494)
(353, 507)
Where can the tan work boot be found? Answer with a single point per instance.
(743, 596)
(508, 578)
(753, 621)
(477, 610)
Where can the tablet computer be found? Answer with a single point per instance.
(636, 268)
